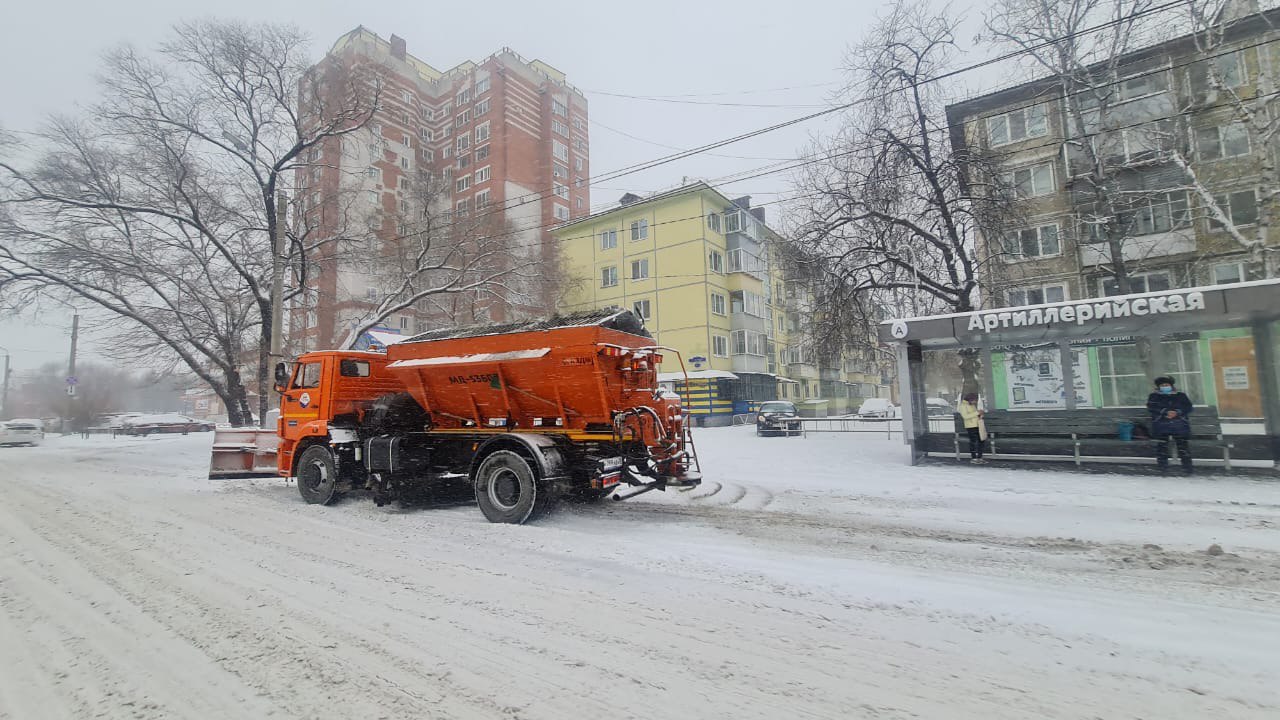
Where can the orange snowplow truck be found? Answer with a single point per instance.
(523, 413)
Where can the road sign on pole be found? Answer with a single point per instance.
(71, 391)
(72, 380)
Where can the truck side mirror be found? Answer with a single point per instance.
(282, 376)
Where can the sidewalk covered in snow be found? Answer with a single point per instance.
(1091, 363)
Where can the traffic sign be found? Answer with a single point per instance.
(71, 391)
(72, 380)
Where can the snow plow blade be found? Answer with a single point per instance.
(243, 453)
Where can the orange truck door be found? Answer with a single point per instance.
(300, 402)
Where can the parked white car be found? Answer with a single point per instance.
(21, 432)
(877, 408)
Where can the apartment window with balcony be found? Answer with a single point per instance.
(742, 261)
(559, 128)
(482, 199)
(1156, 213)
(1241, 208)
(561, 212)
(1136, 144)
(463, 97)
(482, 132)
(1140, 283)
(1036, 295)
(748, 342)
(720, 346)
(639, 229)
(482, 152)
(483, 174)
(482, 107)
(1231, 272)
(717, 304)
(715, 260)
(641, 308)
(713, 221)
(558, 108)
(1225, 141)
(1033, 242)
(608, 276)
(462, 183)
(1031, 181)
(1228, 69)
(559, 151)
(745, 301)
(481, 86)
(463, 118)
(1021, 124)
(640, 269)
(561, 191)
(608, 239)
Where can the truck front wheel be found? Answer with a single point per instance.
(507, 489)
(317, 475)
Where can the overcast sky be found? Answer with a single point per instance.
(708, 51)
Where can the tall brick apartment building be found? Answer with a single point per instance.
(504, 139)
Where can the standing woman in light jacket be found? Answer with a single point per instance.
(972, 418)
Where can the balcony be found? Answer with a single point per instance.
(1142, 247)
(741, 261)
(745, 363)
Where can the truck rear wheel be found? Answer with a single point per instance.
(507, 489)
(317, 475)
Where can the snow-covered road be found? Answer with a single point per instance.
(808, 578)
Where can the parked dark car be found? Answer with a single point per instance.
(167, 423)
(778, 417)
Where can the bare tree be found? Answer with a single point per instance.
(889, 219)
(159, 204)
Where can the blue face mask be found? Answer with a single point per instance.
(1166, 389)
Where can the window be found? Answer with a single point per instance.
(558, 108)
(1144, 282)
(1021, 124)
(720, 346)
(1241, 208)
(374, 198)
(463, 142)
(733, 221)
(608, 239)
(559, 171)
(639, 229)
(713, 221)
(1215, 143)
(463, 118)
(482, 132)
(446, 152)
(481, 87)
(579, 123)
(427, 155)
(560, 190)
(406, 141)
(463, 161)
(608, 276)
(560, 151)
(1033, 242)
(579, 203)
(1136, 144)
(640, 269)
(561, 211)
(559, 128)
(1227, 69)
(373, 173)
(1031, 181)
(463, 97)
(1141, 86)
(482, 199)
(745, 301)
(1037, 295)
(717, 304)
(404, 184)
(371, 293)
(1156, 213)
(579, 182)
(482, 107)
(748, 342)
(463, 183)
(715, 260)
(404, 163)
(307, 376)
(1232, 272)
(462, 207)
(426, 134)
(641, 308)
(577, 164)
(579, 144)
(1125, 382)
(482, 152)
(482, 175)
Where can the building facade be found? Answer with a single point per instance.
(695, 265)
(1165, 138)
(500, 145)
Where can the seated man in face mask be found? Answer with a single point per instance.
(1170, 411)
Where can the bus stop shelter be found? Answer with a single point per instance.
(1096, 358)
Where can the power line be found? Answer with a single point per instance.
(757, 91)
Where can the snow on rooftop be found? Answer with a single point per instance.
(477, 358)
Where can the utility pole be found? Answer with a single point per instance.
(71, 371)
(278, 255)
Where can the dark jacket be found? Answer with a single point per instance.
(1158, 405)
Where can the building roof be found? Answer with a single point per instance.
(630, 202)
(614, 318)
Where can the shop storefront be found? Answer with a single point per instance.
(1099, 356)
